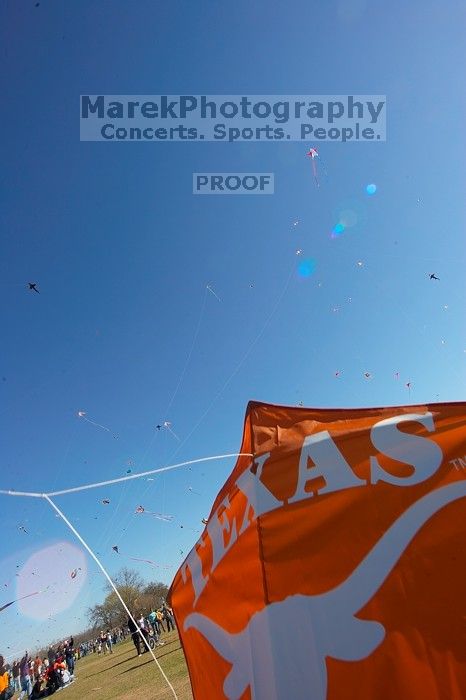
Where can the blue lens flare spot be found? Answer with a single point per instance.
(306, 267)
(338, 229)
(371, 189)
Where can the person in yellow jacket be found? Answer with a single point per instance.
(5, 692)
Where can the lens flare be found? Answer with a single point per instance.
(338, 230)
(49, 571)
(306, 267)
(371, 189)
(348, 218)
(350, 213)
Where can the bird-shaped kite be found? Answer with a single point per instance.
(313, 154)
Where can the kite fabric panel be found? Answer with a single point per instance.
(333, 563)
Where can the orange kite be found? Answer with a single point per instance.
(333, 562)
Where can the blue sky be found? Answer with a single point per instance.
(122, 252)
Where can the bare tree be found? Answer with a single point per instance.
(110, 613)
(126, 578)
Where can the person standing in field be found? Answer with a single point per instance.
(160, 620)
(133, 630)
(16, 682)
(5, 692)
(109, 641)
(25, 678)
(37, 666)
(69, 658)
(144, 627)
(168, 617)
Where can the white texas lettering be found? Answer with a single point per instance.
(220, 546)
(193, 566)
(424, 455)
(329, 463)
(259, 499)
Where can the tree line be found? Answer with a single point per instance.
(139, 596)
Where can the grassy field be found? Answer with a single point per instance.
(125, 676)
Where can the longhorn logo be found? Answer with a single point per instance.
(276, 667)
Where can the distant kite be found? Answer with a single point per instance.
(116, 549)
(7, 605)
(432, 276)
(160, 516)
(82, 414)
(33, 287)
(313, 154)
(212, 292)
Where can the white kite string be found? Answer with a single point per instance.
(107, 576)
(104, 536)
(188, 359)
(241, 361)
(183, 372)
(124, 478)
(151, 471)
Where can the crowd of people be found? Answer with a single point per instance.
(150, 628)
(103, 643)
(38, 677)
